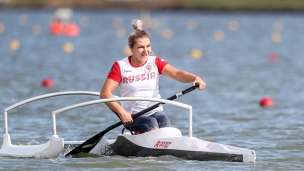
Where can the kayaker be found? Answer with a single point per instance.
(138, 76)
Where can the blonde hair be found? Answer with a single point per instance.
(138, 32)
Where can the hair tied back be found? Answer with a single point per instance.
(137, 24)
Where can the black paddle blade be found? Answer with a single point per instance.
(87, 146)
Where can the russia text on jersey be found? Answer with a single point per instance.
(139, 77)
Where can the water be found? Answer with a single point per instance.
(237, 71)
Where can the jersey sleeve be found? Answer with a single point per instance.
(114, 74)
(160, 63)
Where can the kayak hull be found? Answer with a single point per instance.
(156, 143)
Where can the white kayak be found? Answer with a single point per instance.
(169, 141)
(164, 141)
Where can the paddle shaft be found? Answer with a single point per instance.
(88, 145)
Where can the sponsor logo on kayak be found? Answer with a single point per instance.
(162, 144)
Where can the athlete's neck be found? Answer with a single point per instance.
(135, 63)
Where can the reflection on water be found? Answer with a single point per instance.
(243, 57)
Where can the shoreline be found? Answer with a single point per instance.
(156, 9)
(190, 5)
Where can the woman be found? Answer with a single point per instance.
(138, 76)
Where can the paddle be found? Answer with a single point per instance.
(88, 145)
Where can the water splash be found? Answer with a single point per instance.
(102, 148)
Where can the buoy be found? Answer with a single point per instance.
(47, 82)
(22, 19)
(218, 35)
(14, 45)
(233, 25)
(127, 51)
(196, 53)
(273, 57)
(192, 24)
(36, 30)
(68, 47)
(266, 102)
(71, 29)
(276, 37)
(117, 22)
(120, 33)
(167, 33)
(56, 28)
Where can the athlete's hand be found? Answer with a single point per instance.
(126, 118)
(201, 82)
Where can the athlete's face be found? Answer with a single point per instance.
(141, 50)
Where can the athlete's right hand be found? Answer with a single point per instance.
(126, 118)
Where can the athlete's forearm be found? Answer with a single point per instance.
(114, 106)
(184, 76)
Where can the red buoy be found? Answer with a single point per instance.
(266, 102)
(56, 28)
(71, 29)
(273, 57)
(48, 82)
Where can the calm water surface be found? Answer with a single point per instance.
(237, 71)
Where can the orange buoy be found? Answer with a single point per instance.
(56, 28)
(266, 102)
(71, 29)
(48, 82)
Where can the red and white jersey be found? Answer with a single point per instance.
(139, 81)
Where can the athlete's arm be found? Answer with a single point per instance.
(107, 92)
(182, 76)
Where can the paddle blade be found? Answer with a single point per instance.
(87, 146)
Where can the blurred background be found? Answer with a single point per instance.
(250, 54)
(291, 5)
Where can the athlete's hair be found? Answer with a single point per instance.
(138, 32)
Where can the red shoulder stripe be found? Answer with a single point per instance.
(160, 63)
(115, 74)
